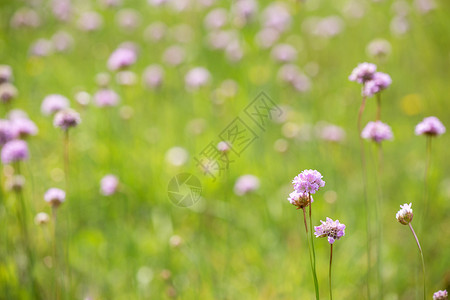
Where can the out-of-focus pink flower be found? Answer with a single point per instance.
(25, 17)
(62, 9)
(109, 185)
(41, 47)
(121, 58)
(106, 97)
(153, 76)
(62, 41)
(197, 77)
(246, 184)
(54, 103)
(216, 18)
(284, 53)
(277, 16)
(90, 21)
(174, 55)
(128, 19)
(155, 32)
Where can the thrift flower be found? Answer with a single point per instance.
(331, 229)
(55, 197)
(379, 82)
(6, 132)
(405, 214)
(300, 200)
(308, 181)
(66, 119)
(363, 72)
(109, 185)
(23, 127)
(440, 295)
(13, 151)
(106, 97)
(377, 131)
(41, 218)
(246, 184)
(54, 103)
(430, 126)
(121, 58)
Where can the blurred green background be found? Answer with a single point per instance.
(137, 245)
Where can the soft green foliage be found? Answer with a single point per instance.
(249, 247)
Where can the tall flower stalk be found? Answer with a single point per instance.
(430, 127)
(405, 216)
(55, 197)
(372, 83)
(333, 231)
(306, 183)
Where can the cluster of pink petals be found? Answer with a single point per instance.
(440, 295)
(308, 181)
(333, 230)
(430, 126)
(363, 72)
(55, 196)
(300, 200)
(13, 151)
(121, 58)
(377, 131)
(246, 184)
(109, 185)
(380, 81)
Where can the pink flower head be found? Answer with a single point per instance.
(153, 76)
(23, 127)
(333, 230)
(363, 72)
(197, 77)
(7, 132)
(430, 126)
(106, 97)
(284, 53)
(55, 196)
(6, 74)
(405, 214)
(377, 131)
(308, 181)
(300, 200)
(66, 119)
(7, 92)
(246, 184)
(109, 185)
(379, 82)
(54, 103)
(440, 295)
(121, 58)
(16, 150)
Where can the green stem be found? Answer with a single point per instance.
(329, 272)
(55, 257)
(366, 200)
(378, 221)
(427, 168)
(316, 282)
(309, 250)
(378, 107)
(423, 262)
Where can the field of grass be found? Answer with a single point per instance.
(136, 243)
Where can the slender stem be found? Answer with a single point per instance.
(26, 237)
(55, 257)
(427, 168)
(67, 180)
(423, 262)
(378, 221)
(329, 272)
(366, 200)
(378, 107)
(66, 158)
(310, 252)
(316, 282)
